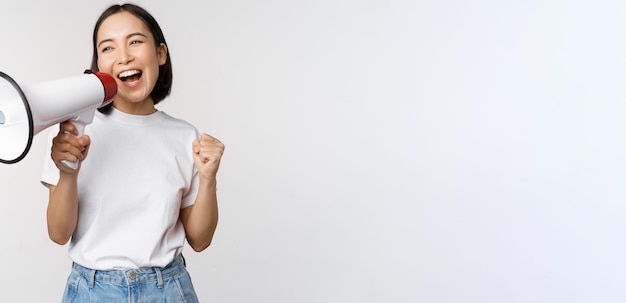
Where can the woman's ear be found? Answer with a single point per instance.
(162, 53)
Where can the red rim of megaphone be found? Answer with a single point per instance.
(109, 84)
(31, 127)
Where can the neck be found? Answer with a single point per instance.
(142, 108)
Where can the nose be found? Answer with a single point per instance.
(125, 57)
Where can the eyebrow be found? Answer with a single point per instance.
(127, 37)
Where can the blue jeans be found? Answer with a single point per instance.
(145, 285)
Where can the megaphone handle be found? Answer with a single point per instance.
(80, 127)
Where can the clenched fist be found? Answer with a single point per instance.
(67, 146)
(207, 153)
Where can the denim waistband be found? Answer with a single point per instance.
(132, 276)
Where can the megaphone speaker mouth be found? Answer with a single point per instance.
(26, 111)
(16, 122)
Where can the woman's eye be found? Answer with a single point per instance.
(106, 49)
(136, 42)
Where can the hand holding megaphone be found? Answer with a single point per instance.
(67, 144)
(26, 111)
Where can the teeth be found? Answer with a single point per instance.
(128, 73)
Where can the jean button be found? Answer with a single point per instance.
(132, 275)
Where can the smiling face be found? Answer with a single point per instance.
(127, 51)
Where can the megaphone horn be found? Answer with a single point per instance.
(26, 111)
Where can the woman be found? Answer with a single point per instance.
(148, 183)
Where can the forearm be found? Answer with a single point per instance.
(201, 218)
(62, 213)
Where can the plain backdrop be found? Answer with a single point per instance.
(435, 151)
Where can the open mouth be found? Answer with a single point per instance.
(130, 75)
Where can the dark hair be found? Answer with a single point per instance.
(163, 85)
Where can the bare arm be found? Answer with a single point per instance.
(200, 219)
(62, 213)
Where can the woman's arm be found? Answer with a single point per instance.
(200, 219)
(62, 213)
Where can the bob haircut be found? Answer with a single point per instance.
(163, 86)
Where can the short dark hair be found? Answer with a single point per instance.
(163, 85)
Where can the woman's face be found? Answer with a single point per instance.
(126, 50)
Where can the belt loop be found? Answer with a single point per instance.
(92, 278)
(159, 277)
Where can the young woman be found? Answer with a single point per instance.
(146, 181)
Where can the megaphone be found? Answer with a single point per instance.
(26, 111)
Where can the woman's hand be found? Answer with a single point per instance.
(67, 146)
(200, 219)
(207, 153)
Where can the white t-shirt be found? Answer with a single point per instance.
(138, 174)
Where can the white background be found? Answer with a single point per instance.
(376, 151)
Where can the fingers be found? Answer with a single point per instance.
(208, 148)
(67, 141)
(68, 127)
(66, 146)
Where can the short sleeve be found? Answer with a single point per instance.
(189, 197)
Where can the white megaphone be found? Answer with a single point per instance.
(26, 111)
